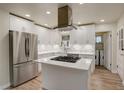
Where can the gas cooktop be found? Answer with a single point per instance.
(66, 59)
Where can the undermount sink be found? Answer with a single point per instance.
(69, 59)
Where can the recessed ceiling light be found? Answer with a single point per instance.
(48, 12)
(17, 19)
(46, 24)
(27, 15)
(102, 20)
(81, 3)
(79, 22)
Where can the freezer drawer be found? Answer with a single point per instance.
(24, 72)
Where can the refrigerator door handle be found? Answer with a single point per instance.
(28, 52)
(25, 47)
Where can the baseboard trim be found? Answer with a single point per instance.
(44, 88)
(3, 87)
(114, 71)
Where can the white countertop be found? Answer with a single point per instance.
(82, 64)
(46, 52)
(82, 53)
(71, 52)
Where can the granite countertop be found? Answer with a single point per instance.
(81, 64)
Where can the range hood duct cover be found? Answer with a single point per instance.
(65, 19)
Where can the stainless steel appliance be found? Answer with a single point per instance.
(69, 59)
(22, 52)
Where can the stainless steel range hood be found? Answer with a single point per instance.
(65, 19)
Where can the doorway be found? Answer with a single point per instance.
(103, 51)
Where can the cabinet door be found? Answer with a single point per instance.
(44, 36)
(21, 25)
(90, 35)
(55, 38)
(83, 35)
(89, 57)
(78, 36)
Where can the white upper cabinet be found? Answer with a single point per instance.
(19, 24)
(90, 34)
(78, 36)
(44, 35)
(55, 37)
(83, 35)
(47, 36)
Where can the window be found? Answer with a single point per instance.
(98, 39)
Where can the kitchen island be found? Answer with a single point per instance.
(58, 75)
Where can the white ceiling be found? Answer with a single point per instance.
(84, 13)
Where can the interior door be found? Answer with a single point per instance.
(118, 49)
(120, 56)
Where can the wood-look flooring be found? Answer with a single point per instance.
(101, 79)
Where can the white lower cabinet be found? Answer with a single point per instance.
(89, 57)
(55, 77)
(45, 55)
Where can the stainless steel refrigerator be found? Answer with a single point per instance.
(22, 52)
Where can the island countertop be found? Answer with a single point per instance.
(81, 64)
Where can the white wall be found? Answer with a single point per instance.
(105, 27)
(4, 49)
(110, 28)
(120, 58)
